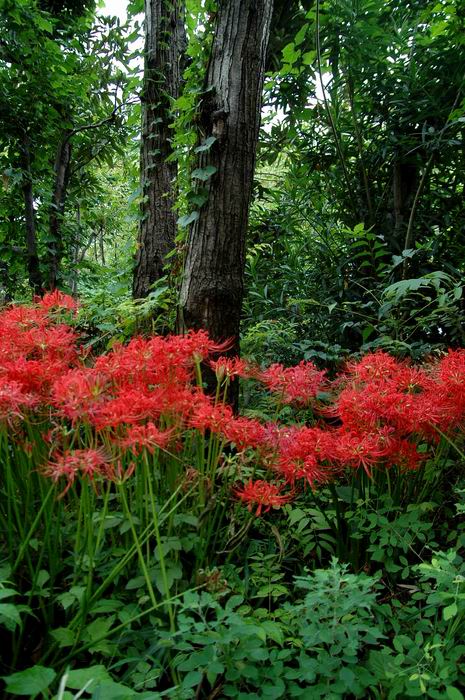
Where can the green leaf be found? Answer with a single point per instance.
(10, 612)
(44, 24)
(7, 592)
(31, 681)
(290, 55)
(450, 611)
(109, 690)
(64, 636)
(301, 34)
(204, 173)
(80, 677)
(308, 58)
(205, 145)
(453, 693)
(192, 679)
(188, 219)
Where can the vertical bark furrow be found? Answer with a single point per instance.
(212, 288)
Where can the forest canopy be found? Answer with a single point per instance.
(353, 239)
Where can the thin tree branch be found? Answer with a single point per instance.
(328, 112)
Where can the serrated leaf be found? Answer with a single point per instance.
(64, 636)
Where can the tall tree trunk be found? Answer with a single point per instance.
(57, 207)
(33, 266)
(212, 287)
(164, 48)
(404, 182)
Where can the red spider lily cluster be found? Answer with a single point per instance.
(35, 348)
(143, 397)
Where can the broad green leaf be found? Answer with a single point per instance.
(204, 174)
(81, 677)
(109, 690)
(10, 612)
(290, 54)
(450, 611)
(31, 681)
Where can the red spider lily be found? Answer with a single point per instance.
(146, 362)
(208, 416)
(57, 300)
(117, 473)
(21, 318)
(89, 463)
(145, 436)
(399, 398)
(233, 367)
(361, 449)
(131, 405)
(298, 384)
(262, 494)
(449, 396)
(307, 453)
(34, 350)
(81, 392)
(405, 455)
(244, 432)
(196, 345)
(374, 367)
(14, 400)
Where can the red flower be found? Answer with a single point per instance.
(263, 494)
(145, 436)
(233, 367)
(362, 449)
(244, 432)
(404, 454)
(57, 300)
(207, 416)
(13, 400)
(299, 384)
(81, 393)
(89, 463)
(379, 391)
(307, 453)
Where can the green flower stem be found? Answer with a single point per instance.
(137, 543)
(158, 541)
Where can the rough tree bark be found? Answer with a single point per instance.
(212, 287)
(164, 48)
(57, 207)
(33, 266)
